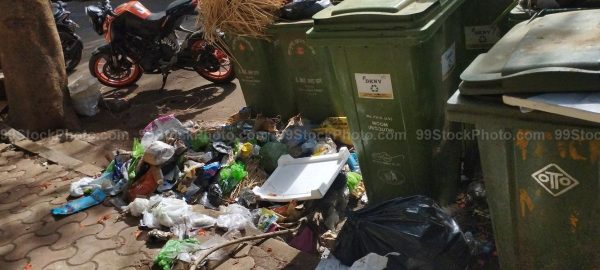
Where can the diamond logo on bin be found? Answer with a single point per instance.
(555, 180)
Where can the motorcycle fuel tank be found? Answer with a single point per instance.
(134, 7)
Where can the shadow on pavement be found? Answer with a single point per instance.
(147, 105)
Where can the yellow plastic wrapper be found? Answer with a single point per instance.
(337, 128)
(246, 150)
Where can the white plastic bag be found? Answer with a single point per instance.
(157, 153)
(235, 217)
(149, 221)
(138, 206)
(197, 220)
(171, 211)
(78, 188)
(161, 127)
(85, 95)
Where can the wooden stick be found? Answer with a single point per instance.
(239, 240)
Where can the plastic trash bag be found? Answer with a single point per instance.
(230, 177)
(149, 221)
(158, 153)
(303, 9)
(136, 155)
(137, 207)
(197, 220)
(104, 182)
(159, 210)
(172, 249)
(164, 127)
(171, 211)
(270, 154)
(353, 179)
(415, 227)
(78, 187)
(146, 185)
(85, 94)
(200, 141)
(235, 217)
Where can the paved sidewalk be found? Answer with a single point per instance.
(31, 238)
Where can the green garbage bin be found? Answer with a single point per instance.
(256, 69)
(306, 71)
(541, 170)
(395, 62)
(485, 22)
(541, 174)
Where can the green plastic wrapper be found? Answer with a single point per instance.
(200, 141)
(172, 248)
(353, 179)
(230, 177)
(136, 154)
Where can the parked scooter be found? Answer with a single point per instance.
(69, 40)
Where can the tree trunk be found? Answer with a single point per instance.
(33, 66)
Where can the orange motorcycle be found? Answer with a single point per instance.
(140, 41)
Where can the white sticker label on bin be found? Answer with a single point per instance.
(481, 36)
(375, 86)
(554, 180)
(448, 61)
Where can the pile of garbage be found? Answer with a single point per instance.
(245, 169)
(263, 178)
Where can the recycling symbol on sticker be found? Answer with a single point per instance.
(374, 88)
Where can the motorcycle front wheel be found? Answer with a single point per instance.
(72, 49)
(123, 74)
(223, 73)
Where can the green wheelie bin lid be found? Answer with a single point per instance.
(410, 20)
(553, 53)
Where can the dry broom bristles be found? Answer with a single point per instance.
(237, 17)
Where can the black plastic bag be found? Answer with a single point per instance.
(303, 9)
(415, 227)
